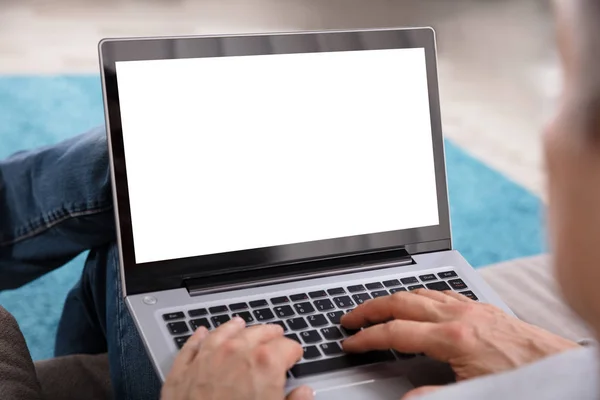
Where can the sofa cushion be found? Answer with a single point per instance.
(529, 288)
(17, 373)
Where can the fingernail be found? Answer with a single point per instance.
(204, 333)
(239, 320)
(307, 393)
(200, 334)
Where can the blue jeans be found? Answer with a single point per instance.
(55, 202)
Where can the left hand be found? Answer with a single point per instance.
(235, 363)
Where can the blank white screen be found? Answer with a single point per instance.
(234, 153)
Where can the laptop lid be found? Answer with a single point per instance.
(254, 152)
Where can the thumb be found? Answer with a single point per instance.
(301, 393)
(423, 390)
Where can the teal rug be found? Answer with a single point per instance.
(493, 219)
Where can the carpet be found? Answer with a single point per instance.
(493, 218)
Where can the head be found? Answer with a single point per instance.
(572, 150)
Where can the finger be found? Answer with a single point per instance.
(423, 390)
(258, 334)
(301, 393)
(189, 350)
(283, 352)
(457, 296)
(224, 332)
(442, 297)
(402, 305)
(403, 336)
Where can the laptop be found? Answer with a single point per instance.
(284, 178)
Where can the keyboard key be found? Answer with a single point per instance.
(374, 286)
(338, 363)
(297, 324)
(457, 284)
(317, 320)
(396, 290)
(361, 297)
(392, 283)
(311, 352)
(323, 305)
(284, 311)
(304, 308)
(379, 293)
(470, 295)
(258, 303)
(317, 294)
(408, 281)
(293, 336)
(331, 333)
(245, 315)
(415, 287)
(238, 306)
(310, 337)
(197, 323)
(336, 291)
(356, 288)
(264, 314)
(427, 278)
(335, 316)
(343, 301)
(447, 274)
(440, 286)
(218, 309)
(299, 297)
(350, 332)
(173, 315)
(280, 300)
(281, 324)
(219, 320)
(331, 349)
(177, 328)
(197, 312)
(180, 341)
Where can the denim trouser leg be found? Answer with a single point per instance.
(132, 374)
(55, 202)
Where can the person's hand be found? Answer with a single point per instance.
(474, 338)
(234, 363)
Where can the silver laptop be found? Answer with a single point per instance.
(283, 178)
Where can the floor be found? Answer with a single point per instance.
(498, 70)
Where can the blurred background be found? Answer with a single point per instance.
(498, 76)
(496, 59)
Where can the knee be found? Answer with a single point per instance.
(86, 159)
(93, 145)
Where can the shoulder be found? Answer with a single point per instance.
(570, 375)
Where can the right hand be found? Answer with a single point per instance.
(474, 338)
(235, 363)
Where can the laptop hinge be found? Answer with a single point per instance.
(298, 271)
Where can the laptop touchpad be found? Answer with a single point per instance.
(380, 389)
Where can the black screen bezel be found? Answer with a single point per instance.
(168, 274)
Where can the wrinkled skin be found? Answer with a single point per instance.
(475, 339)
(235, 363)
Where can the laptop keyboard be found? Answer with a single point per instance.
(313, 318)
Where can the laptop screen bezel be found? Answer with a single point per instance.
(170, 274)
